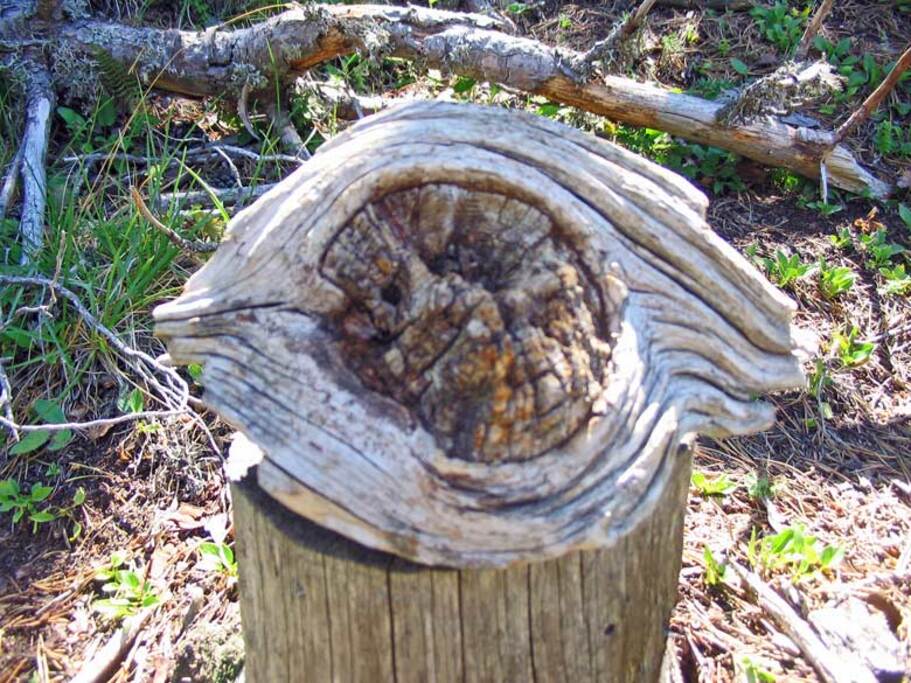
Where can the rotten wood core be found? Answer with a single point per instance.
(466, 307)
(454, 346)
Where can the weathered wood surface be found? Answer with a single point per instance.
(317, 607)
(218, 61)
(471, 337)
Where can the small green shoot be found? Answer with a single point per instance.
(842, 239)
(905, 214)
(898, 281)
(786, 269)
(834, 280)
(712, 486)
(792, 550)
(129, 593)
(50, 413)
(131, 402)
(754, 673)
(850, 352)
(781, 25)
(25, 504)
(217, 557)
(879, 252)
(714, 570)
(825, 208)
(759, 487)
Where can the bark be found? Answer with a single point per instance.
(486, 351)
(352, 614)
(285, 46)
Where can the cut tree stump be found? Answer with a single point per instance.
(475, 340)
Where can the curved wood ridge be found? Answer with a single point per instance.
(469, 336)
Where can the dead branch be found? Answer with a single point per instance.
(830, 667)
(192, 246)
(231, 195)
(39, 105)
(285, 46)
(603, 48)
(106, 662)
(8, 191)
(875, 98)
(192, 153)
(170, 388)
(812, 29)
(733, 5)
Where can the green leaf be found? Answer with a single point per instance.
(463, 85)
(905, 214)
(106, 114)
(49, 411)
(43, 516)
(60, 439)
(132, 402)
(39, 492)
(32, 441)
(9, 487)
(739, 66)
(79, 496)
(73, 119)
(195, 372)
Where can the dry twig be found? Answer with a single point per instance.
(194, 246)
(812, 29)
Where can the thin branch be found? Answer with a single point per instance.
(231, 195)
(812, 29)
(603, 48)
(194, 152)
(195, 246)
(875, 98)
(828, 665)
(171, 389)
(8, 191)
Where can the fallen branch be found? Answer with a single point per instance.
(812, 29)
(108, 659)
(875, 98)
(9, 183)
(192, 153)
(172, 391)
(193, 246)
(603, 49)
(230, 195)
(287, 45)
(39, 105)
(830, 667)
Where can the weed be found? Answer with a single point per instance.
(565, 22)
(834, 280)
(905, 214)
(13, 499)
(754, 673)
(714, 167)
(131, 402)
(786, 269)
(714, 570)
(850, 352)
(712, 486)
(891, 139)
(710, 88)
(759, 487)
(129, 592)
(824, 208)
(878, 250)
(781, 25)
(792, 550)
(217, 557)
(898, 280)
(842, 239)
(817, 382)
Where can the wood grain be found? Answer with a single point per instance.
(458, 348)
(317, 607)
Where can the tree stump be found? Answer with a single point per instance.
(471, 342)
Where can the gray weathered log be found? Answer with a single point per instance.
(317, 606)
(287, 45)
(40, 104)
(454, 346)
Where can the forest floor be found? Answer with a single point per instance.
(116, 518)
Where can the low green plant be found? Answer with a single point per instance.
(879, 251)
(905, 214)
(825, 208)
(753, 672)
(781, 25)
(834, 280)
(217, 557)
(898, 280)
(842, 239)
(712, 486)
(759, 487)
(785, 269)
(792, 550)
(714, 570)
(25, 503)
(49, 412)
(129, 592)
(892, 139)
(712, 166)
(851, 352)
